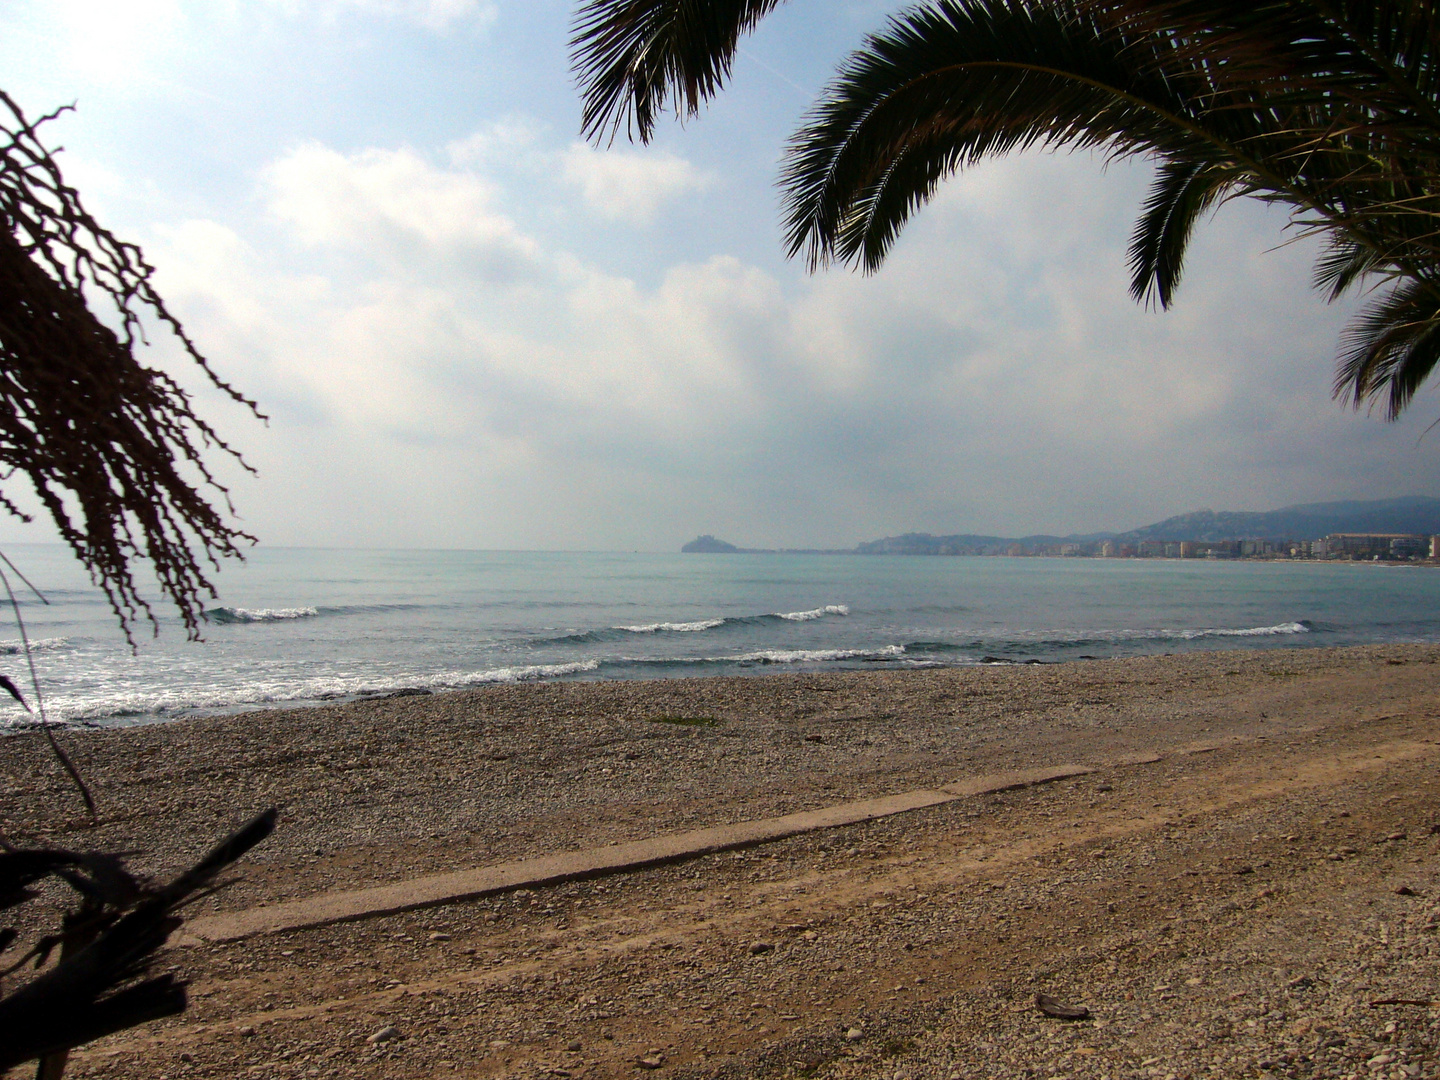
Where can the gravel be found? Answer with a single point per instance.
(1223, 913)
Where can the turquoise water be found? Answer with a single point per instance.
(303, 625)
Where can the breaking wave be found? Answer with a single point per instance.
(817, 613)
(816, 656)
(524, 673)
(1301, 626)
(17, 648)
(225, 615)
(140, 706)
(763, 657)
(673, 627)
(694, 626)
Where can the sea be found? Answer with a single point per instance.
(299, 626)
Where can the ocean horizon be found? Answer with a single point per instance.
(301, 626)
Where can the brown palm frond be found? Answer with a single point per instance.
(113, 449)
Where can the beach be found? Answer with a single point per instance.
(1248, 866)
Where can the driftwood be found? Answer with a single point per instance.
(1053, 1007)
(1423, 1002)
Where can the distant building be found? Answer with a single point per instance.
(1408, 547)
(1373, 545)
(1108, 549)
(1189, 549)
(1435, 547)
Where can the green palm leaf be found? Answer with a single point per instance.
(952, 83)
(1343, 264)
(1183, 191)
(1391, 349)
(632, 56)
(1331, 107)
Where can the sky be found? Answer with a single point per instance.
(469, 329)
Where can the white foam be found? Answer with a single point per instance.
(240, 614)
(803, 656)
(124, 706)
(1253, 631)
(13, 648)
(817, 613)
(673, 627)
(520, 673)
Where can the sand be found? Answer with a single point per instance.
(1228, 910)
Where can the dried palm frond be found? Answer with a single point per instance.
(112, 448)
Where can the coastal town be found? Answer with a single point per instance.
(1386, 530)
(1340, 546)
(1356, 547)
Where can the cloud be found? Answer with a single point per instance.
(433, 14)
(394, 205)
(994, 376)
(621, 185)
(499, 141)
(436, 15)
(115, 44)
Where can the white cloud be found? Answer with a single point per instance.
(500, 141)
(394, 204)
(622, 185)
(115, 44)
(993, 377)
(435, 15)
(455, 353)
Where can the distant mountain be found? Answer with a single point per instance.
(967, 543)
(925, 544)
(708, 545)
(1310, 521)
(1415, 514)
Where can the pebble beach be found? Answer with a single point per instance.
(1251, 866)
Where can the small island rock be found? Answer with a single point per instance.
(708, 545)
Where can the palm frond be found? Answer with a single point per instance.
(1329, 106)
(1183, 190)
(1380, 53)
(1391, 349)
(631, 57)
(952, 83)
(1342, 264)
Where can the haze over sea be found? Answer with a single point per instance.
(296, 626)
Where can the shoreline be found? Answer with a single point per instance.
(865, 731)
(931, 931)
(756, 669)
